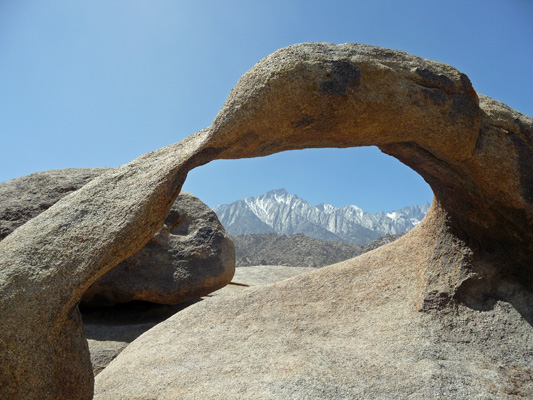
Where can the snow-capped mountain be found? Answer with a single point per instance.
(280, 212)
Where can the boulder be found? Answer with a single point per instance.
(50, 261)
(347, 331)
(445, 311)
(23, 198)
(190, 256)
(109, 330)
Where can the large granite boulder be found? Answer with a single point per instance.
(190, 256)
(23, 198)
(347, 331)
(463, 278)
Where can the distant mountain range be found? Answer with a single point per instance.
(297, 250)
(278, 211)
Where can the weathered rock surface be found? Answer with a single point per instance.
(259, 275)
(23, 198)
(341, 332)
(109, 330)
(51, 260)
(190, 256)
(347, 331)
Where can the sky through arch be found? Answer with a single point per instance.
(363, 176)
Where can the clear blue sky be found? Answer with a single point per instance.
(98, 83)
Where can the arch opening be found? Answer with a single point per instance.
(362, 176)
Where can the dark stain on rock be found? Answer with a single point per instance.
(303, 122)
(467, 85)
(437, 96)
(526, 131)
(464, 105)
(435, 80)
(525, 157)
(465, 80)
(341, 74)
(173, 218)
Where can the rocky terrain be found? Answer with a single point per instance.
(278, 211)
(297, 250)
(189, 257)
(26, 197)
(111, 329)
(443, 312)
(348, 331)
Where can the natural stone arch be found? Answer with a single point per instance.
(475, 154)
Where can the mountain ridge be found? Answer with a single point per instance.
(297, 250)
(278, 211)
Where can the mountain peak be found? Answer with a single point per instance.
(284, 213)
(327, 208)
(281, 191)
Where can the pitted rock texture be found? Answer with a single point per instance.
(472, 255)
(23, 198)
(190, 256)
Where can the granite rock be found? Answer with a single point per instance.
(445, 309)
(190, 256)
(347, 331)
(109, 330)
(23, 198)
(50, 261)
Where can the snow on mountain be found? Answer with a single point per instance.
(278, 211)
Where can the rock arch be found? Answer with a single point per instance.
(475, 153)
